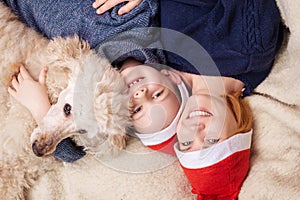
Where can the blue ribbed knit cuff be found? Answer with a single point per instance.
(68, 151)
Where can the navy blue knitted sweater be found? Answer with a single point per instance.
(241, 36)
(66, 18)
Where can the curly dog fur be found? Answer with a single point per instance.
(66, 59)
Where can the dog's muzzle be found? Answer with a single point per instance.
(39, 149)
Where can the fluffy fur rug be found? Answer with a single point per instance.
(275, 170)
(275, 161)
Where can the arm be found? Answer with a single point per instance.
(104, 5)
(30, 93)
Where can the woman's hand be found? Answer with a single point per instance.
(104, 5)
(30, 93)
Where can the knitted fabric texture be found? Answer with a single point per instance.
(66, 18)
(68, 151)
(242, 37)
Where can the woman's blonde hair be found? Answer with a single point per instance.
(242, 112)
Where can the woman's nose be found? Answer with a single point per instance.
(140, 93)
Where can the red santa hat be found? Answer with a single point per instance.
(165, 139)
(218, 172)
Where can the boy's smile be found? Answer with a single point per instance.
(153, 98)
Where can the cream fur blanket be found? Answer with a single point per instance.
(275, 161)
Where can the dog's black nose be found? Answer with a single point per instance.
(36, 150)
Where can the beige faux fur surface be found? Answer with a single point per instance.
(275, 160)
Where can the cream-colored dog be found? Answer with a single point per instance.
(93, 92)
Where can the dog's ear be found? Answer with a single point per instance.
(117, 141)
(68, 48)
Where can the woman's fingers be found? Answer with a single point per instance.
(20, 77)
(98, 3)
(12, 92)
(15, 83)
(43, 76)
(24, 73)
(128, 7)
(107, 5)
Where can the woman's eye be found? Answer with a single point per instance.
(213, 140)
(156, 95)
(187, 143)
(184, 146)
(138, 109)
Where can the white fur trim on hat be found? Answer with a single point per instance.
(165, 134)
(216, 153)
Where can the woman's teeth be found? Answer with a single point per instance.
(199, 113)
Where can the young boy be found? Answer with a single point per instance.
(242, 37)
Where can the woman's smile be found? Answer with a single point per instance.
(200, 113)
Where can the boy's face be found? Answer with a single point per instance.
(153, 98)
(205, 121)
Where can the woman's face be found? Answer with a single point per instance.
(205, 121)
(153, 98)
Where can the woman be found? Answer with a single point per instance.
(214, 139)
(242, 37)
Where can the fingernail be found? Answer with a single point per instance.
(95, 5)
(122, 11)
(98, 11)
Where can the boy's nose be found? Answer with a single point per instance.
(140, 93)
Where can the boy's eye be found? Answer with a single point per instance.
(213, 140)
(156, 95)
(138, 109)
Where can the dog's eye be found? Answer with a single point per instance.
(82, 131)
(67, 109)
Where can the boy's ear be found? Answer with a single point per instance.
(173, 76)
